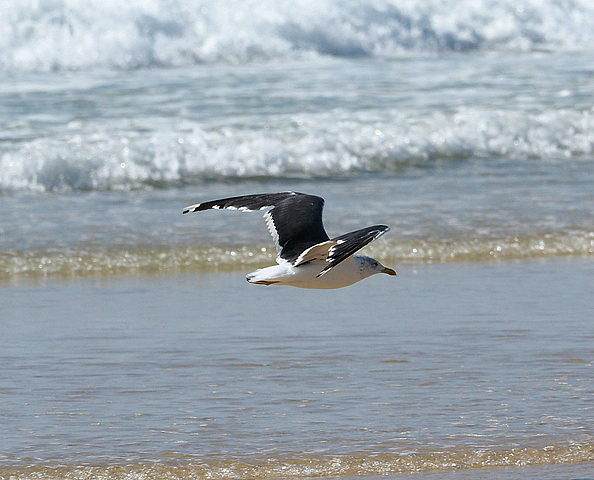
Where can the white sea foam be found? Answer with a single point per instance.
(44, 35)
(312, 146)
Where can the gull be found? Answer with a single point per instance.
(307, 257)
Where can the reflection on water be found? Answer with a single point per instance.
(444, 367)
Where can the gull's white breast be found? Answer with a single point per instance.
(342, 275)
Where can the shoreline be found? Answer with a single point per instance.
(107, 262)
(514, 463)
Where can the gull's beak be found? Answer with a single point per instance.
(387, 270)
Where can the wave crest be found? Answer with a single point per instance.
(311, 146)
(56, 34)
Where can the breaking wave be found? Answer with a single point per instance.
(47, 35)
(313, 146)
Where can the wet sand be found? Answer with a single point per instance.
(446, 369)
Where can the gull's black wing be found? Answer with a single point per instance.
(294, 219)
(349, 243)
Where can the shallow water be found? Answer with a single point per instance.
(445, 366)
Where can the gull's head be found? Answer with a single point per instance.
(370, 266)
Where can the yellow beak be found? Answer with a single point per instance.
(389, 271)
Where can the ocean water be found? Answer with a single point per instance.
(135, 349)
(466, 156)
(471, 135)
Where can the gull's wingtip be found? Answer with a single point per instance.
(191, 208)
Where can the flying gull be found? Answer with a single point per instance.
(307, 257)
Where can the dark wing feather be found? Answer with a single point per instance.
(349, 243)
(297, 225)
(294, 220)
(259, 201)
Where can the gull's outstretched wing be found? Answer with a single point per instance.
(294, 219)
(349, 243)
